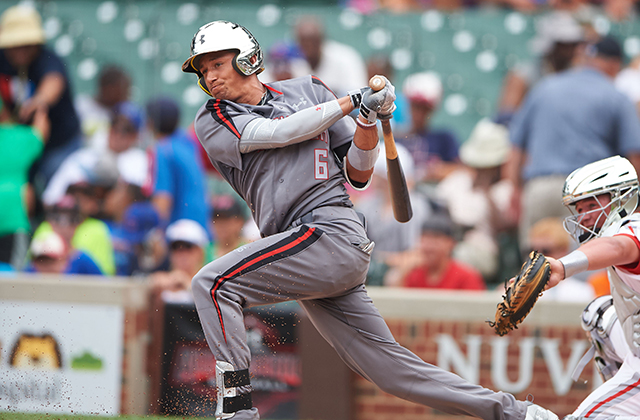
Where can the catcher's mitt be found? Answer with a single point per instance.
(522, 294)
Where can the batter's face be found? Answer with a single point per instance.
(221, 78)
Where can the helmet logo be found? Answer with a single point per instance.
(202, 39)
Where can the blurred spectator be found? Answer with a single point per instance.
(228, 219)
(433, 265)
(549, 237)
(136, 240)
(179, 181)
(95, 112)
(435, 152)
(20, 146)
(568, 120)
(83, 233)
(33, 77)
(187, 241)
(339, 66)
(554, 46)
(628, 81)
(121, 155)
(393, 239)
(50, 254)
(278, 62)
(479, 185)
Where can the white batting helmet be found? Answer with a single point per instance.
(615, 176)
(222, 35)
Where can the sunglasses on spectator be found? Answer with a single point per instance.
(177, 245)
(45, 259)
(65, 218)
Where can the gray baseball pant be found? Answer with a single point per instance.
(323, 266)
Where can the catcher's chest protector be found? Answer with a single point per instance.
(627, 304)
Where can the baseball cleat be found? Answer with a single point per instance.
(535, 412)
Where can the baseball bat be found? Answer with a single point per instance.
(397, 182)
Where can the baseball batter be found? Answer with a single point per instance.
(287, 150)
(602, 197)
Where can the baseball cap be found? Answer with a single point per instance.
(424, 87)
(164, 113)
(607, 47)
(138, 220)
(226, 206)
(487, 146)
(556, 27)
(48, 244)
(186, 230)
(439, 223)
(131, 112)
(20, 26)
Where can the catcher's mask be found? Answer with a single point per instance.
(614, 176)
(222, 35)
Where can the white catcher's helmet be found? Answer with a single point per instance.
(222, 35)
(615, 176)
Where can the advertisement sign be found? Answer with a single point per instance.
(188, 366)
(60, 357)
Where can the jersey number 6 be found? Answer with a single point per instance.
(321, 163)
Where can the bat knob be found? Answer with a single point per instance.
(376, 83)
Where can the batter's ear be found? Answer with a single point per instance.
(203, 86)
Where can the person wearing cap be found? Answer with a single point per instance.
(35, 78)
(101, 166)
(187, 241)
(555, 45)
(393, 240)
(50, 254)
(435, 151)
(479, 185)
(228, 218)
(568, 120)
(83, 233)
(20, 146)
(177, 180)
(432, 264)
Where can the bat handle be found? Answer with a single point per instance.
(376, 83)
(390, 149)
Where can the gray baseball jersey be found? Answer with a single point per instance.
(315, 250)
(279, 185)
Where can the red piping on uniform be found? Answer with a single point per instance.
(216, 107)
(634, 267)
(272, 89)
(614, 396)
(248, 264)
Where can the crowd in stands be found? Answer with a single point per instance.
(100, 185)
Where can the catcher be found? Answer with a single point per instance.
(602, 198)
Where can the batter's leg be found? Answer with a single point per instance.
(354, 327)
(274, 269)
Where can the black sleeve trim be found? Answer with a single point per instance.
(218, 110)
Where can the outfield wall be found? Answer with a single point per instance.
(100, 352)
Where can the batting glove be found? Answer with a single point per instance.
(378, 104)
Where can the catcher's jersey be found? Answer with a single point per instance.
(282, 184)
(630, 275)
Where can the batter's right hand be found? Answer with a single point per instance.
(378, 104)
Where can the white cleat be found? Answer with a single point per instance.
(535, 412)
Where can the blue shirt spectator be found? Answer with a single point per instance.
(571, 119)
(179, 191)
